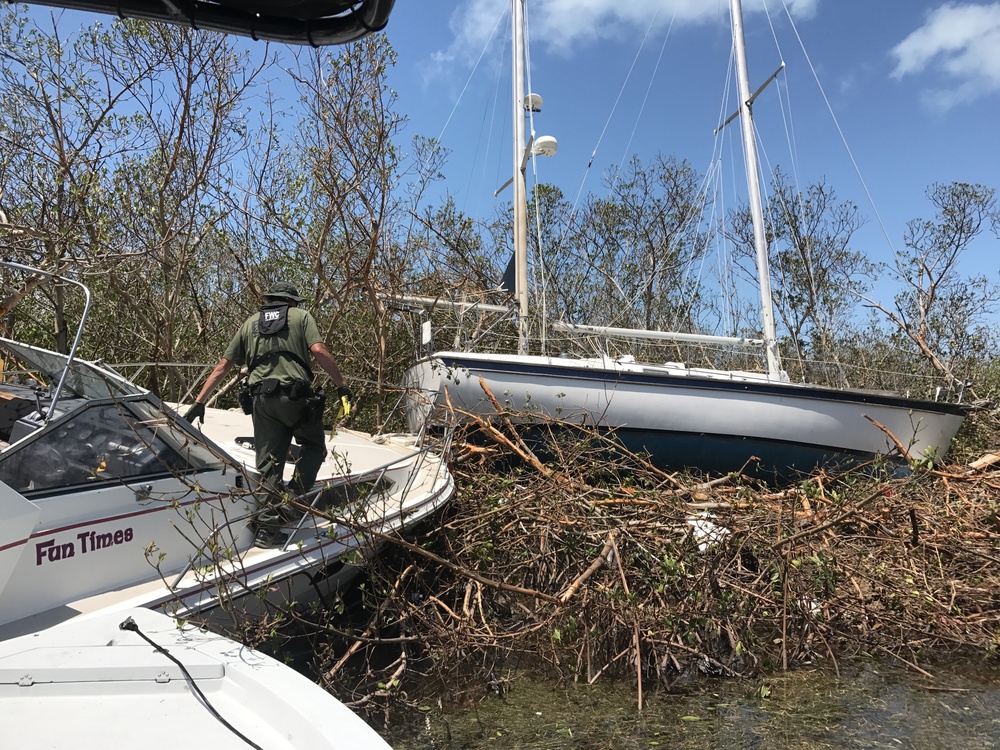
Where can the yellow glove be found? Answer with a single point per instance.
(345, 408)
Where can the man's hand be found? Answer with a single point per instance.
(345, 392)
(196, 412)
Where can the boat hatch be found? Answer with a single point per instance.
(104, 664)
(83, 379)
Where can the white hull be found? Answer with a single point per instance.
(88, 683)
(113, 504)
(42, 588)
(672, 410)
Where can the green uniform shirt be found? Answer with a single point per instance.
(298, 336)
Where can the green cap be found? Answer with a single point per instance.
(286, 290)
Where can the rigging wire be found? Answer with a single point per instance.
(472, 73)
(607, 123)
(724, 255)
(649, 88)
(840, 132)
(576, 199)
(489, 43)
(785, 108)
(498, 66)
(788, 123)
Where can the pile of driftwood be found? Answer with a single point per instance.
(597, 565)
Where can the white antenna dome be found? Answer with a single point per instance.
(533, 103)
(544, 145)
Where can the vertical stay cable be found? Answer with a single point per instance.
(607, 122)
(482, 54)
(471, 75)
(840, 132)
(724, 251)
(488, 125)
(539, 277)
(649, 88)
(574, 207)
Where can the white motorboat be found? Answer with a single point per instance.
(109, 500)
(136, 676)
(683, 417)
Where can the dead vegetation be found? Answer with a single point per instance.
(598, 566)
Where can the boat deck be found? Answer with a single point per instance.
(91, 683)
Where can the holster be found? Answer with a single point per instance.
(300, 389)
(246, 398)
(316, 404)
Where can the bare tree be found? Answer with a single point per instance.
(816, 276)
(111, 165)
(636, 252)
(61, 132)
(940, 311)
(332, 209)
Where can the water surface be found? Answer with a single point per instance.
(876, 706)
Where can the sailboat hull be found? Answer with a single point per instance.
(689, 418)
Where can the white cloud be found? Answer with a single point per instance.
(566, 26)
(957, 41)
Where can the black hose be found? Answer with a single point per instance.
(131, 626)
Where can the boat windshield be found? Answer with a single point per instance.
(84, 379)
(106, 441)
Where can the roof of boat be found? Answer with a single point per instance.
(85, 379)
(91, 679)
(314, 23)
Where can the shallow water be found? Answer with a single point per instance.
(876, 706)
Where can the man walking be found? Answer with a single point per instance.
(275, 344)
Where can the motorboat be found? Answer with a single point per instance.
(109, 499)
(136, 675)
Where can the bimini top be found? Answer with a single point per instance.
(315, 23)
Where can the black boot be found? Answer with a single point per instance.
(270, 537)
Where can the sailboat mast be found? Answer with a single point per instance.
(520, 189)
(753, 188)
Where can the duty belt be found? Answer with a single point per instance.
(296, 389)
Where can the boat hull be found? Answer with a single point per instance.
(184, 544)
(687, 418)
(98, 682)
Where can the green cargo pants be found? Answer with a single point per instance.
(277, 419)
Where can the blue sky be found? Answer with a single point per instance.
(913, 84)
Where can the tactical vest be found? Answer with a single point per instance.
(273, 319)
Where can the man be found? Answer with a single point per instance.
(275, 344)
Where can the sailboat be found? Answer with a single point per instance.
(685, 417)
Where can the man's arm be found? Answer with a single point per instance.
(327, 362)
(214, 378)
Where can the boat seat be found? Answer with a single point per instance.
(13, 406)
